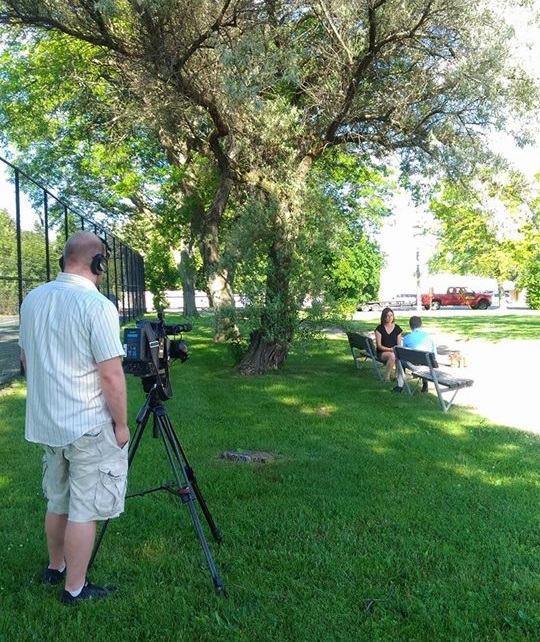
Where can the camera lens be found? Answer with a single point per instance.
(178, 350)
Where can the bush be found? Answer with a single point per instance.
(531, 281)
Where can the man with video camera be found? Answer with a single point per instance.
(76, 409)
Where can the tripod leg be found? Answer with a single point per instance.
(185, 490)
(202, 503)
(190, 473)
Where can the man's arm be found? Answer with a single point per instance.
(113, 384)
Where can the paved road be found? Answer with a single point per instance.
(505, 388)
(9, 348)
(450, 312)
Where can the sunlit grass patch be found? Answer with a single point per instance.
(380, 518)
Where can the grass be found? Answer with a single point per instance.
(380, 518)
(485, 326)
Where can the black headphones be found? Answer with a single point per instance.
(99, 261)
(99, 264)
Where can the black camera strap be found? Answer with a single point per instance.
(153, 344)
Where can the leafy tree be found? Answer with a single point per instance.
(33, 262)
(8, 245)
(346, 202)
(531, 280)
(8, 264)
(265, 89)
(530, 276)
(73, 136)
(101, 157)
(162, 272)
(335, 259)
(486, 227)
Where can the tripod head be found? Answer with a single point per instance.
(149, 350)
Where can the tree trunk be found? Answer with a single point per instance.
(204, 226)
(279, 314)
(219, 288)
(187, 271)
(269, 346)
(503, 303)
(263, 355)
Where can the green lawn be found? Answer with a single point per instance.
(480, 325)
(380, 519)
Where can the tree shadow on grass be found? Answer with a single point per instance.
(380, 518)
(489, 327)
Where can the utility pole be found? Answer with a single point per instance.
(418, 292)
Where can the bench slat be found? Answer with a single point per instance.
(421, 365)
(362, 346)
(444, 378)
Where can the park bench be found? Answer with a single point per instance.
(363, 351)
(422, 366)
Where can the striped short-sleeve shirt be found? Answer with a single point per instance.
(67, 327)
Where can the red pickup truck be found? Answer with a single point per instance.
(457, 296)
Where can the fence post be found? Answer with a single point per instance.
(19, 242)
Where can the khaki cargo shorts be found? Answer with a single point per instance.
(87, 479)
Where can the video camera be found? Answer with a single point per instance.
(149, 350)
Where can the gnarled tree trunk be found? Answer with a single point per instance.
(263, 355)
(269, 346)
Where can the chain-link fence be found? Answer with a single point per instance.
(34, 225)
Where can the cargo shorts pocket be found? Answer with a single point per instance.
(44, 470)
(111, 489)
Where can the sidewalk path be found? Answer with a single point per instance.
(506, 380)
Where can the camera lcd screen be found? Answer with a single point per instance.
(135, 344)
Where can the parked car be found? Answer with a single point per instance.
(399, 301)
(457, 296)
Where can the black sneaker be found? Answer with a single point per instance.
(397, 389)
(53, 576)
(89, 592)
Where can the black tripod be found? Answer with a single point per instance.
(185, 484)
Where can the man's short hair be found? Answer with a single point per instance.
(415, 322)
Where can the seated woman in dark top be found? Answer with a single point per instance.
(388, 334)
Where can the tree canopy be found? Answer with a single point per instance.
(488, 225)
(265, 90)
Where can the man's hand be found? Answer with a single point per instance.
(122, 435)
